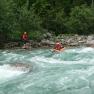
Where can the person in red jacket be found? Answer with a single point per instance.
(58, 46)
(25, 39)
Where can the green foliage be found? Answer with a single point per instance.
(33, 16)
(36, 35)
(28, 21)
(81, 20)
(15, 36)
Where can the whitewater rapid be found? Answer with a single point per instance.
(68, 72)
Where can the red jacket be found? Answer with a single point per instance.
(24, 37)
(58, 46)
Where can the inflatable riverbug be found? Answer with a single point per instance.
(54, 50)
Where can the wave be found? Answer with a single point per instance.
(10, 71)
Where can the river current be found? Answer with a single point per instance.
(67, 72)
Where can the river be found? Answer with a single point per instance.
(68, 72)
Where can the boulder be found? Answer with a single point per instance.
(91, 37)
(21, 67)
(47, 42)
(90, 40)
(47, 35)
(73, 44)
(11, 44)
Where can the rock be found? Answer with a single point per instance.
(44, 35)
(89, 38)
(70, 40)
(90, 41)
(47, 42)
(73, 44)
(11, 44)
(21, 67)
(47, 35)
(76, 35)
(82, 41)
(79, 38)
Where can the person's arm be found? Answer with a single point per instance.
(61, 45)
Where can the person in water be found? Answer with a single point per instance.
(58, 46)
(25, 40)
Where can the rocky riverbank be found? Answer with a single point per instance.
(48, 40)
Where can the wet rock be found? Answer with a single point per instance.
(47, 42)
(21, 67)
(90, 41)
(71, 40)
(67, 40)
(73, 44)
(11, 45)
(47, 35)
(89, 38)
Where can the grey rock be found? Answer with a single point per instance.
(89, 38)
(47, 42)
(90, 42)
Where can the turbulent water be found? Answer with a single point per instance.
(68, 72)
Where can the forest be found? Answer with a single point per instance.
(39, 16)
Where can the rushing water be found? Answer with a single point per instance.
(68, 72)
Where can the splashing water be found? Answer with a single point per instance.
(68, 72)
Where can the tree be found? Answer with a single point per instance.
(81, 20)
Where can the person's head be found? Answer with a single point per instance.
(25, 32)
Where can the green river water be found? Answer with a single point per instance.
(68, 72)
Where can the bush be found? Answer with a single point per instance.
(81, 20)
(36, 35)
(15, 36)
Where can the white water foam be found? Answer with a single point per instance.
(45, 60)
(82, 50)
(6, 71)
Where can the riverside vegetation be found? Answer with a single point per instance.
(39, 16)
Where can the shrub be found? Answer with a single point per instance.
(36, 35)
(81, 20)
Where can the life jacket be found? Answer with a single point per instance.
(24, 37)
(58, 46)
